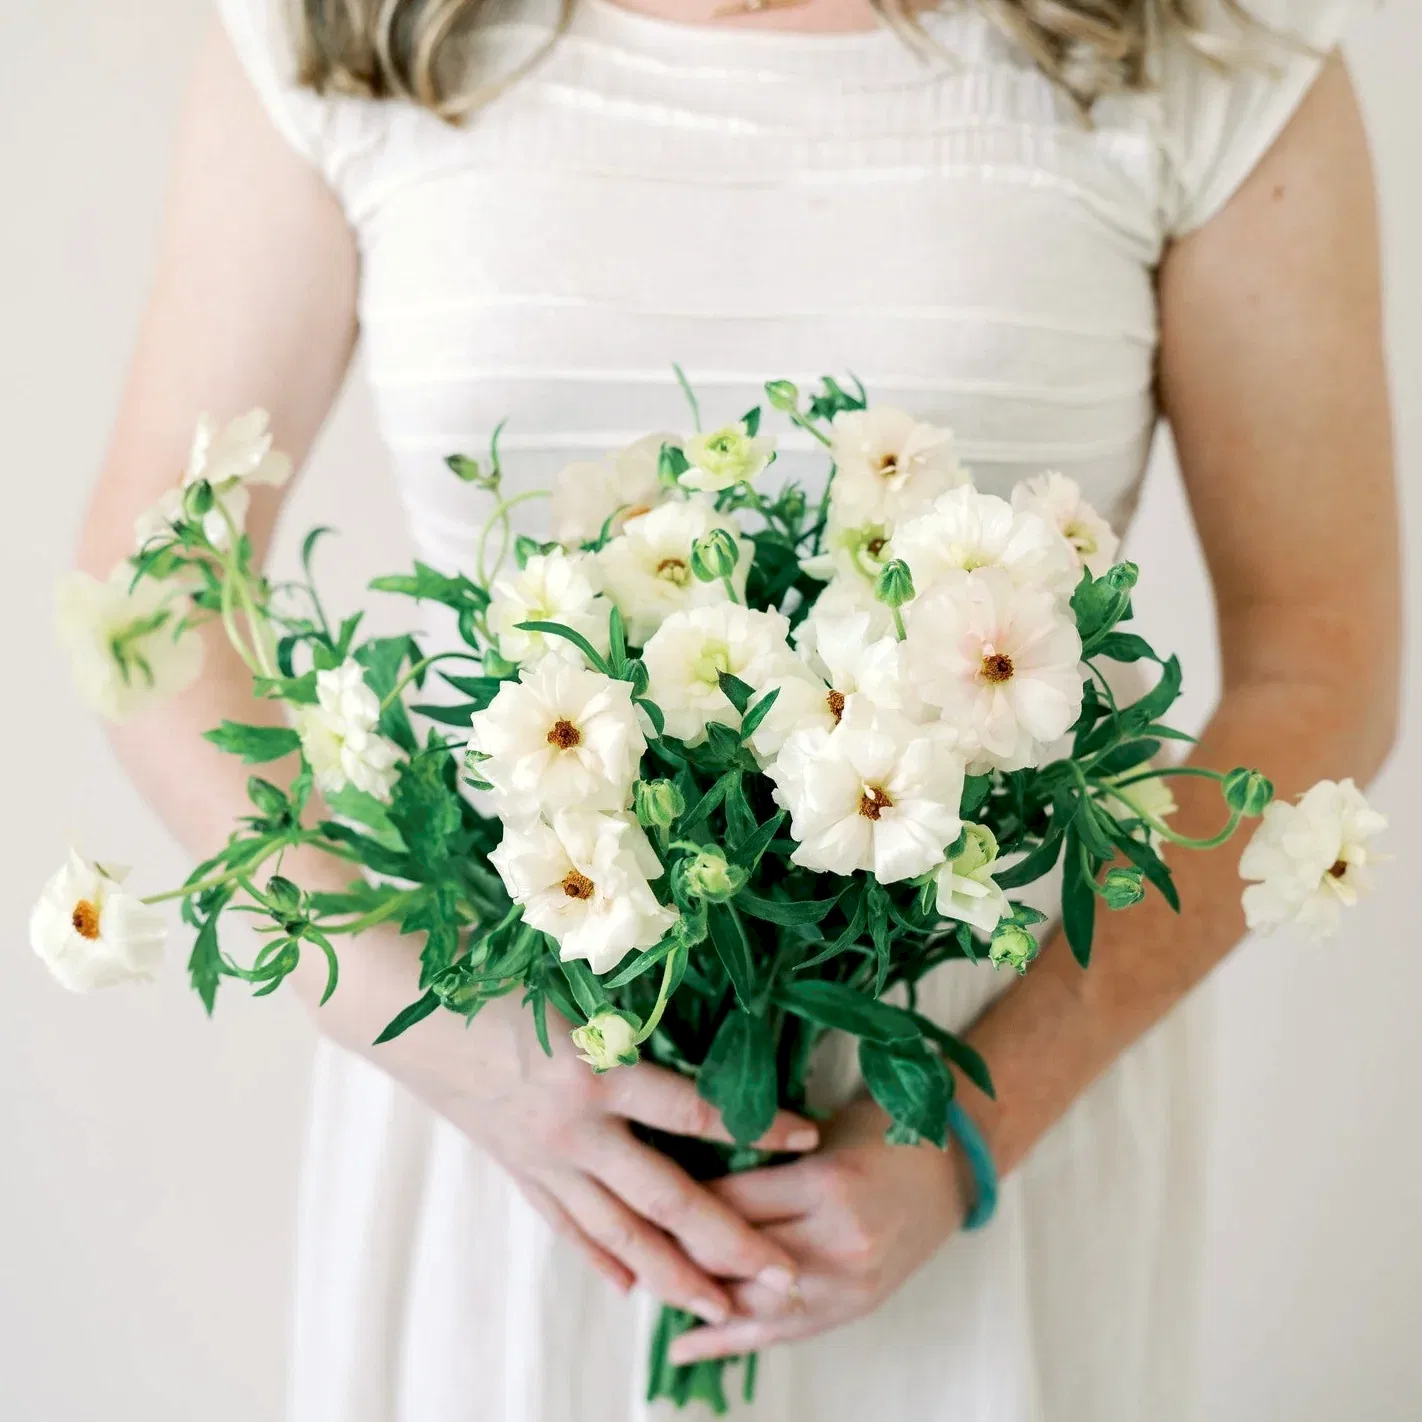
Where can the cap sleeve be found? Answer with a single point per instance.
(262, 41)
(1221, 121)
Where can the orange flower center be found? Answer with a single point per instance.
(997, 667)
(835, 701)
(873, 802)
(86, 920)
(565, 735)
(577, 886)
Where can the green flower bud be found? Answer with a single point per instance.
(793, 504)
(637, 674)
(1248, 791)
(198, 500)
(715, 556)
(285, 896)
(496, 664)
(977, 849)
(710, 875)
(658, 802)
(468, 470)
(458, 988)
(783, 395)
(608, 1041)
(1012, 946)
(266, 797)
(1123, 887)
(894, 585)
(1122, 577)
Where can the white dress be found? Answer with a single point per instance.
(757, 205)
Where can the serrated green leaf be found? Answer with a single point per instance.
(255, 744)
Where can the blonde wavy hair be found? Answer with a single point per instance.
(410, 49)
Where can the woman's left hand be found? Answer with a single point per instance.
(859, 1215)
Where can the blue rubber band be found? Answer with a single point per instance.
(980, 1161)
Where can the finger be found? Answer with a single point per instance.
(565, 1227)
(744, 1335)
(668, 1102)
(712, 1234)
(654, 1259)
(774, 1194)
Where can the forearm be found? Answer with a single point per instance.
(1054, 1032)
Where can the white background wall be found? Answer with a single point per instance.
(147, 1157)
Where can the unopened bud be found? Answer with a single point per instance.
(285, 896)
(715, 556)
(468, 471)
(198, 500)
(496, 664)
(783, 395)
(658, 803)
(608, 1041)
(1012, 946)
(711, 876)
(1123, 887)
(266, 797)
(894, 585)
(1122, 577)
(1248, 791)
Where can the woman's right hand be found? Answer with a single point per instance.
(563, 1133)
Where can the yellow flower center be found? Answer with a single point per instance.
(674, 570)
(997, 668)
(565, 735)
(1079, 536)
(873, 802)
(86, 919)
(577, 886)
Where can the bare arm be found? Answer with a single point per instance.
(1272, 375)
(255, 304)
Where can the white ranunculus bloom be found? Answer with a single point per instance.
(125, 650)
(583, 880)
(560, 737)
(877, 793)
(965, 530)
(620, 488)
(725, 457)
(967, 890)
(550, 587)
(340, 737)
(856, 652)
(686, 655)
(1057, 499)
(647, 571)
(843, 597)
(857, 551)
(90, 933)
(1311, 859)
(802, 701)
(231, 458)
(1002, 662)
(889, 466)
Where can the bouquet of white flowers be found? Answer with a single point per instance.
(729, 767)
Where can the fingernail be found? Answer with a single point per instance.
(710, 1310)
(807, 1139)
(779, 1278)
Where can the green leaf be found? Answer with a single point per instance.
(710, 801)
(1156, 702)
(1124, 647)
(851, 934)
(787, 912)
(839, 1006)
(967, 1059)
(205, 961)
(403, 1021)
(299, 690)
(353, 804)
(749, 851)
(617, 639)
(426, 810)
(1124, 757)
(436, 914)
(481, 690)
(751, 421)
(427, 584)
(757, 713)
(737, 692)
(1078, 901)
(255, 744)
(728, 938)
(976, 789)
(587, 991)
(911, 1083)
(739, 1077)
(460, 716)
(556, 629)
(383, 659)
(1089, 824)
(1041, 861)
(880, 908)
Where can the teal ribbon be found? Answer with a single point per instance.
(980, 1162)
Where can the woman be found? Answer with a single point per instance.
(778, 194)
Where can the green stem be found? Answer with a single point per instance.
(500, 518)
(1163, 771)
(419, 669)
(215, 881)
(898, 623)
(654, 1021)
(730, 589)
(690, 397)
